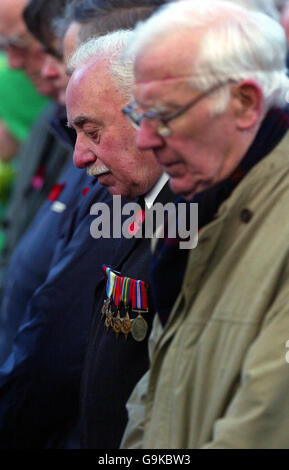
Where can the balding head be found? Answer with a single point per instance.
(233, 42)
(205, 75)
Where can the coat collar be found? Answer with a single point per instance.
(277, 160)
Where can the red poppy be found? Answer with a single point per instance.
(135, 226)
(37, 181)
(56, 191)
(85, 191)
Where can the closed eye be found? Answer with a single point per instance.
(93, 135)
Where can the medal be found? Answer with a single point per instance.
(125, 294)
(126, 324)
(105, 307)
(139, 326)
(108, 319)
(125, 297)
(116, 323)
(106, 311)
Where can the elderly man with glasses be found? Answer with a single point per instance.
(210, 85)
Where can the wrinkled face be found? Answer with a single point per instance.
(53, 71)
(23, 51)
(197, 153)
(105, 143)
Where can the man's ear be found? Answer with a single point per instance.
(247, 104)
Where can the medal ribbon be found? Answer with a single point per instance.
(144, 295)
(125, 295)
(132, 293)
(118, 290)
(139, 299)
(114, 290)
(126, 290)
(111, 280)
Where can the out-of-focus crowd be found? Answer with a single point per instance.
(119, 118)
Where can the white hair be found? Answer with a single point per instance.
(236, 44)
(109, 47)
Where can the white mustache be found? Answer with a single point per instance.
(97, 171)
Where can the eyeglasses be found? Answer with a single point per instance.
(135, 117)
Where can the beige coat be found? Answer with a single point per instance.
(219, 376)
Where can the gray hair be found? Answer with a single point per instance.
(237, 44)
(110, 47)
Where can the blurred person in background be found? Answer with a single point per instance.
(85, 19)
(43, 156)
(20, 104)
(52, 68)
(24, 275)
(47, 413)
(283, 7)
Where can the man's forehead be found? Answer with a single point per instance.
(11, 19)
(13, 30)
(94, 80)
(166, 59)
(162, 92)
(89, 85)
(90, 70)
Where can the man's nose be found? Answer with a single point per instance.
(16, 58)
(147, 137)
(82, 155)
(49, 69)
